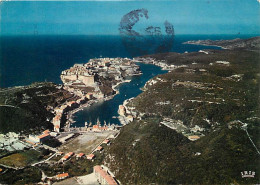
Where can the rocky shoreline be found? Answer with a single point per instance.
(93, 82)
(69, 118)
(249, 44)
(190, 118)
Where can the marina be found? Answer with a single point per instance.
(107, 111)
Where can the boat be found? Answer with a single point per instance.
(98, 122)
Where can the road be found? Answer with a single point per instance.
(44, 160)
(252, 142)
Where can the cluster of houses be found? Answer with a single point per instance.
(78, 156)
(160, 63)
(59, 111)
(81, 155)
(82, 79)
(102, 175)
(97, 128)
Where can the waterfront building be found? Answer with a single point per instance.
(130, 118)
(95, 128)
(56, 128)
(121, 110)
(89, 96)
(56, 119)
(71, 103)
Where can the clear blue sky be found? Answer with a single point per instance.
(103, 17)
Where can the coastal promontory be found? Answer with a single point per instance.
(196, 124)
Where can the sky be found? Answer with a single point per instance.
(103, 17)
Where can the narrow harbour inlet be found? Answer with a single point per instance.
(107, 110)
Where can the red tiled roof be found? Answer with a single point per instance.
(32, 143)
(71, 102)
(99, 148)
(194, 137)
(80, 154)
(43, 136)
(90, 156)
(106, 141)
(65, 157)
(57, 117)
(62, 175)
(110, 180)
(95, 126)
(68, 155)
(46, 132)
(103, 128)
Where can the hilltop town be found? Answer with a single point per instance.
(99, 76)
(91, 82)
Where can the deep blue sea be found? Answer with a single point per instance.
(27, 59)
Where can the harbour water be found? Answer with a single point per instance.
(107, 110)
(28, 59)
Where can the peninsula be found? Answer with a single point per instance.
(248, 44)
(196, 124)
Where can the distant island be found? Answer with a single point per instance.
(196, 124)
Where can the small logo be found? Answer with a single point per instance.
(248, 174)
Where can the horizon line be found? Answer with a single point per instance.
(120, 35)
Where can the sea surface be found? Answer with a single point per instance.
(28, 59)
